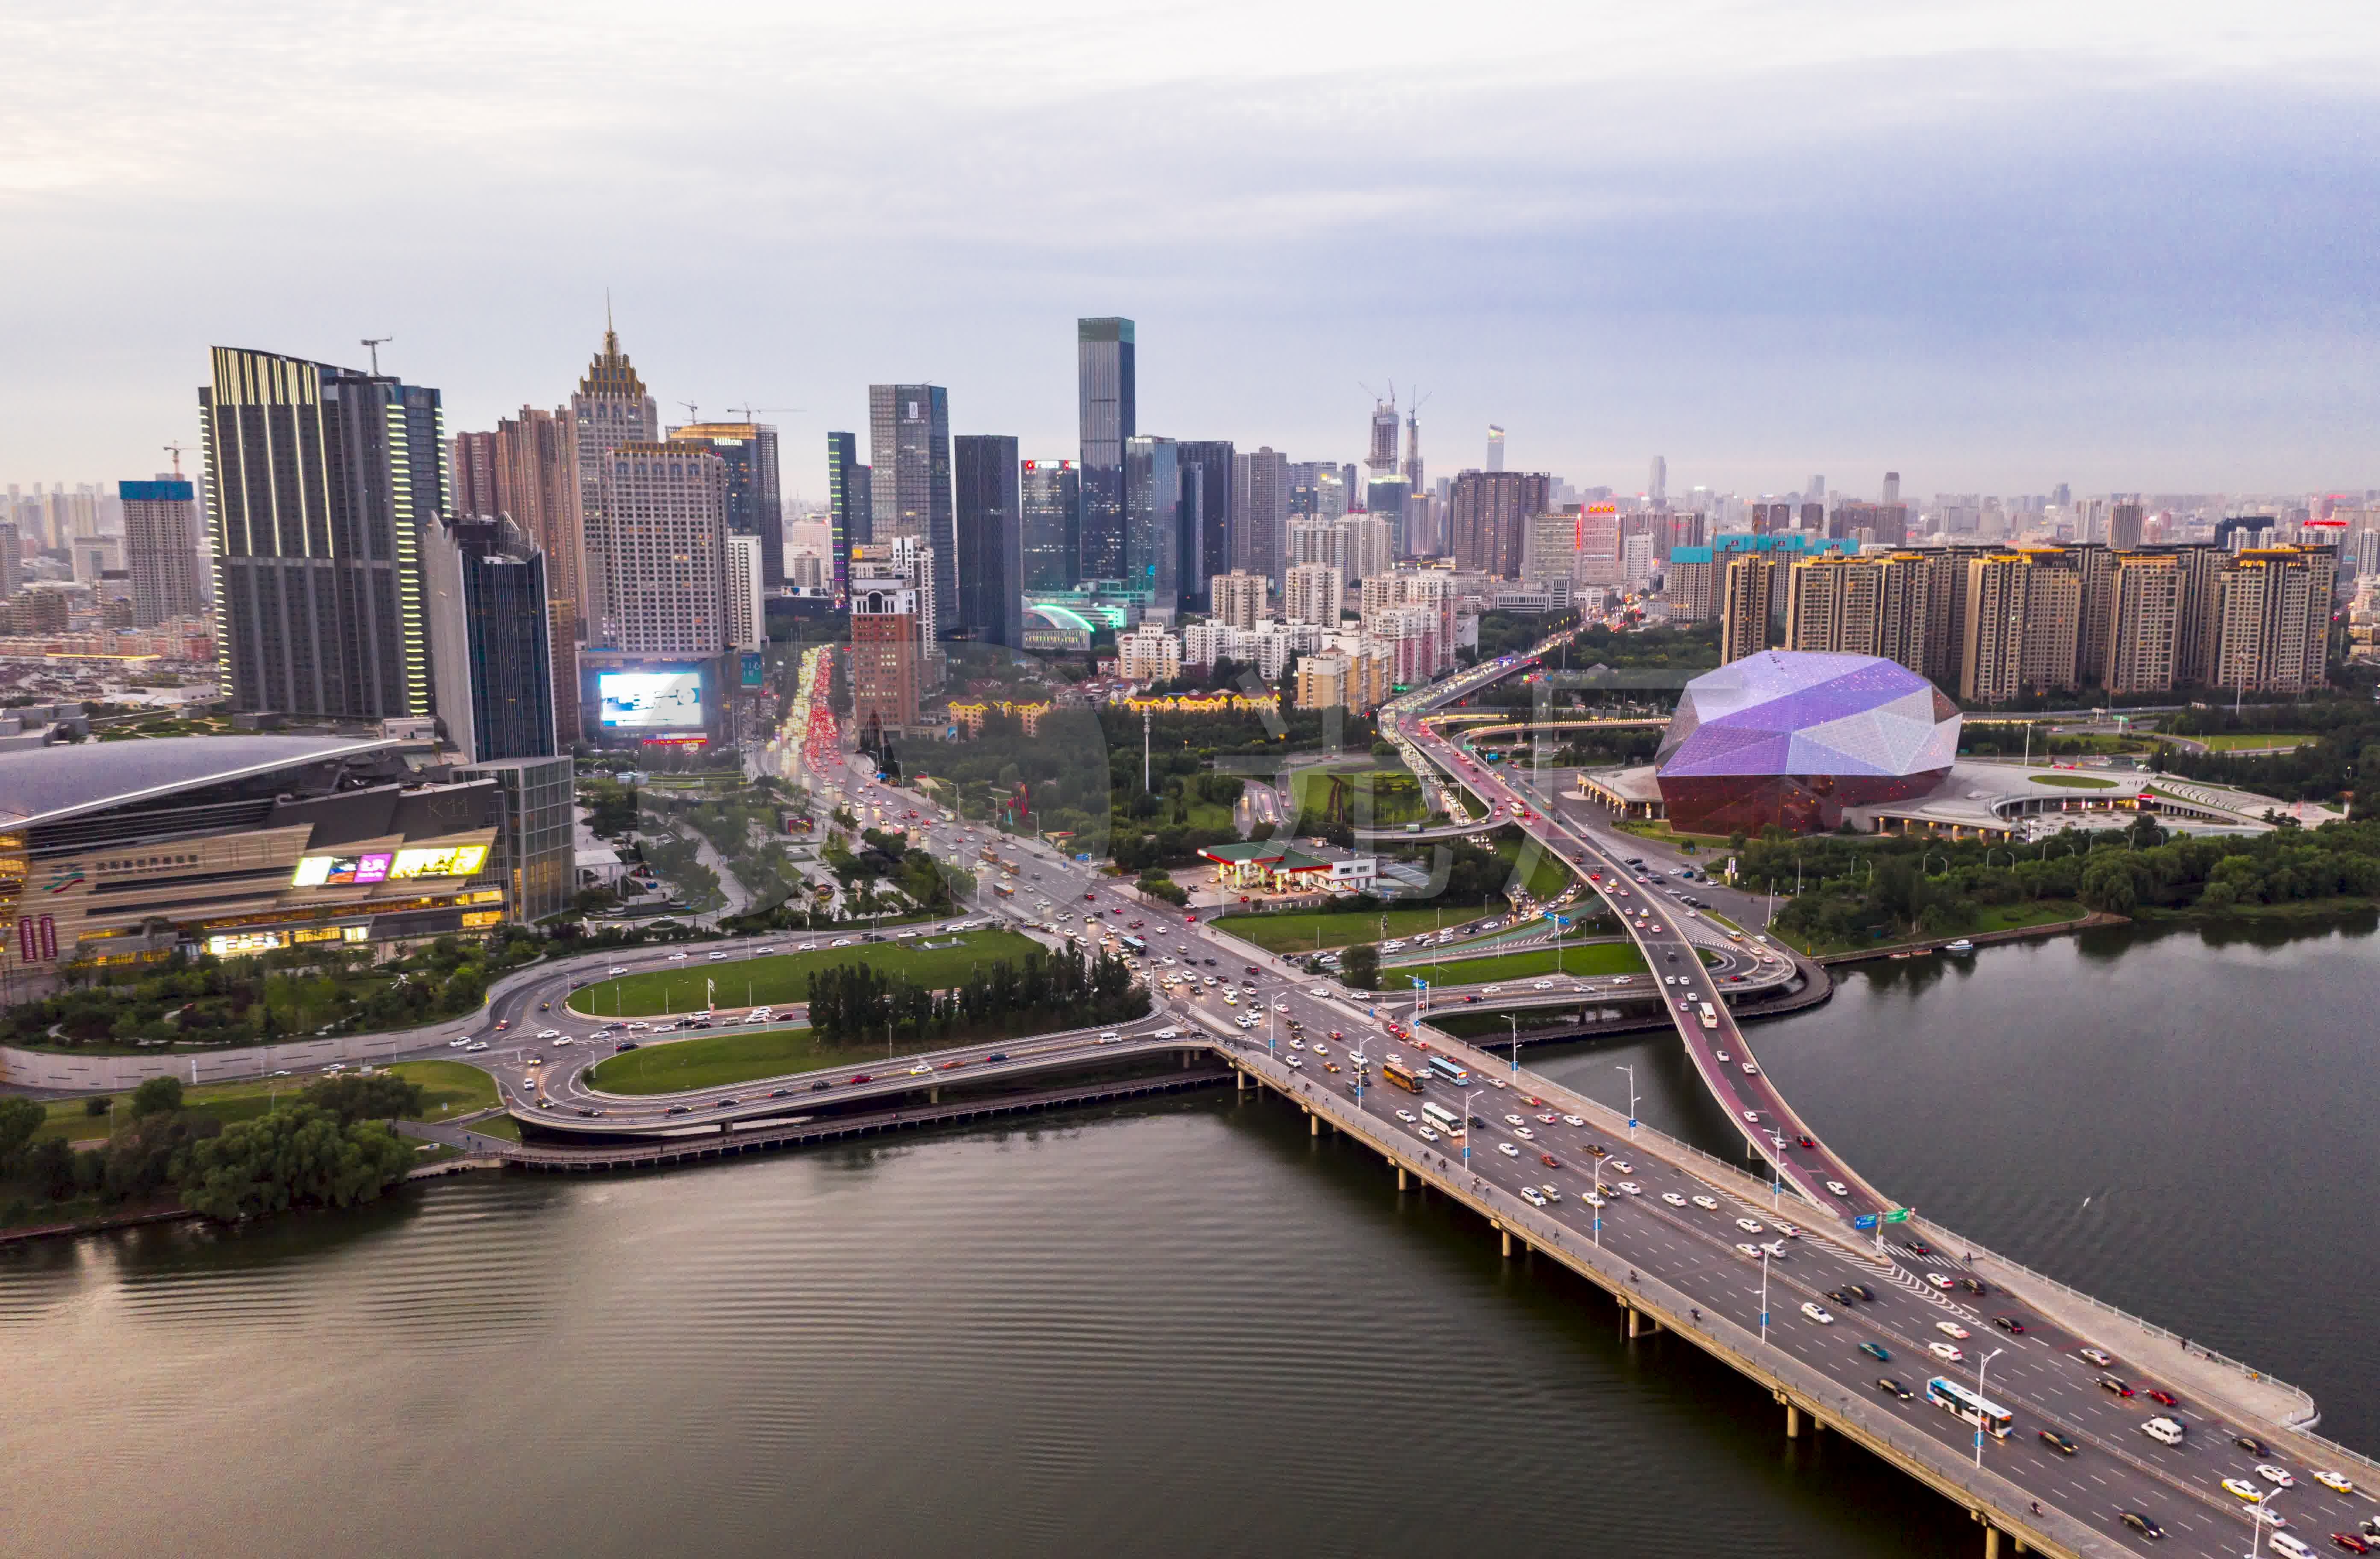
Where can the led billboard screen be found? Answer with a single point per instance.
(462, 859)
(340, 871)
(651, 700)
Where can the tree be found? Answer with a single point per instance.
(1360, 966)
(158, 1096)
(19, 1119)
(299, 1157)
(380, 1097)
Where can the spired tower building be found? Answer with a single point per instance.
(612, 407)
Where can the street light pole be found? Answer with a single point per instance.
(1980, 1365)
(1514, 1020)
(2257, 1519)
(1765, 1264)
(1631, 1097)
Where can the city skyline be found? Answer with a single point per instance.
(2016, 250)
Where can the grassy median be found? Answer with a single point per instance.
(1296, 931)
(1585, 958)
(717, 1059)
(786, 977)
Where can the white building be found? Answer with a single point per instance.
(1149, 655)
(1315, 593)
(747, 619)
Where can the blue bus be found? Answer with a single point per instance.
(1441, 1067)
(1133, 946)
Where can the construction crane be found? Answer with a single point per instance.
(748, 412)
(373, 344)
(691, 414)
(177, 450)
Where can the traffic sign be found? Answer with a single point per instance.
(1898, 1216)
(1632, 1126)
(1866, 1220)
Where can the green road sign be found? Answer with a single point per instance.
(1898, 1216)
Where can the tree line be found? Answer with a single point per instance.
(854, 1004)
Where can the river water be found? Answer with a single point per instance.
(1185, 1328)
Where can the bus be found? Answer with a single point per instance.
(1402, 1075)
(1453, 1071)
(1135, 946)
(1952, 1398)
(1003, 891)
(1710, 1016)
(1449, 1124)
(988, 854)
(1009, 866)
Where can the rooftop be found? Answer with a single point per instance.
(43, 784)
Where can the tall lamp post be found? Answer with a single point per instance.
(1632, 1098)
(2258, 1520)
(1514, 1020)
(1980, 1365)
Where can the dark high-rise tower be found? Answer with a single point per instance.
(320, 482)
(991, 539)
(488, 625)
(849, 504)
(1103, 351)
(1052, 499)
(909, 467)
(1152, 518)
(1210, 527)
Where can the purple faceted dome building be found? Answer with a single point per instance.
(1789, 738)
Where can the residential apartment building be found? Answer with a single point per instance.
(1862, 606)
(1237, 598)
(2023, 621)
(1314, 593)
(1260, 523)
(1149, 654)
(747, 618)
(2140, 649)
(660, 530)
(161, 551)
(885, 681)
(2272, 619)
(1744, 606)
(1487, 512)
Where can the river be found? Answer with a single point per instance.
(1185, 1328)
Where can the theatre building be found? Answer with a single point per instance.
(123, 852)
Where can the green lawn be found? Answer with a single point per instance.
(1364, 796)
(2240, 739)
(503, 1126)
(722, 1058)
(785, 978)
(1586, 957)
(448, 1088)
(1656, 829)
(1546, 879)
(1991, 918)
(1295, 931)
(2073, 781)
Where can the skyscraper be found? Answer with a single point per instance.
(1211, 459)
(1496, 448)
(528, 469)
(1381, 460)
(1260, 512)
(662, 534)
(748, 615)
(1051, 500)
(991, 539)
(1892, 487)
(1152, 519)
(611, 407)
(1486, 516)
(1743, 607)
(1105, 380)
(1411, 470)
(1657, 484)
(909, 469)
(160, 550)
(754, 507)
(492, 647)
(319, 483)
(850, 503)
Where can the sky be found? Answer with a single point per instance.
(2130, 247)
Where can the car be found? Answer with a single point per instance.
(1631, 1186)
(1776, 1249)
(1749, 1251)
(1534, 1197)
(1838, 1189)
(625, 1045)
(677, 957)
(1547, 1118)
(864, 1077)
(2145, 1524)
(722, 1103)
(1945, 1351)
(1574, 1120)
(1525, 1134)
(840, 942)
(1938, 1281)
(2251, 1444)
(1621, 1167)
(1953, 1329)
(2243, 1489)
(1919, 1248)
(2116, 1384)
(1752, 1226)
(1508, 1150)
(616, 969)
(1707, 1204)
(2352, 1542)
(955, 1063)
(1674, 1199)
(1751, 1071)
(1862, 1289)
(1974, 1286)
(1890, 1386)
(1806, 1139)
(2009, 1324)
(2278, 1477)
(821, 1085)
(2094, 1355)
(1549, 1161)
(1876, 1351)
(2334, 1482)
(591, 1114)
(717, 957)
(676, 1109)
(1817, 1313)
(2057, 1443)
(2166, 1399)
(1407, 1117)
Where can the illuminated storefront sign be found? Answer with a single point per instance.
(462, 859)
(238, 943)
(341, 871)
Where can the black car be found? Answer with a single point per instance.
(590, 1114)
(1840, 1297)
(1891, 1387)
(2116, 1384)
(676, 1110)
(2057, 1443)
(2141, 1523)
(626, 1044)
(781, 1093)
(1919, 1248)
(1477, 1120)
(2250, 1444)
(1862, 1289)
(1973, 1285)
(722, 1103)
(2009, 1324)
(820, 1086)
(1001, 1055)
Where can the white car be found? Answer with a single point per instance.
(1953, 1329)
(1622, 1165)
(1525, 1134)
(1945, 1351)
(1751, 1225)
(843, 941)
(1817, 1313)
(1592, 1200)
(1533, 1196)
(1407, 1117)
(1543, 985)
(1674, 1199)
(1515, 1120)
(1296, 1063)
(1751, 1071)
(1632, 1187)
(1508, 1150)
(1939, 1281)
(2279, 1478)
(1750, 1251)
(677, 957)
(1707, 1203)
(1838, 1188)
(1574, 1120)
(1776, 1249)
(616, 970)
(717, 957)
(548, 1033)
(1281, 1007)
(808, 947)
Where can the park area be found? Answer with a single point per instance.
(675, 1065)
(1307, 931)
(936, 963)
(1359, 798)
(449, 1089)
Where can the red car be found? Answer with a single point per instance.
(1551, 1161)
(863, 1077)
(1090, 899)
(2162, 1398)
(1190, 920)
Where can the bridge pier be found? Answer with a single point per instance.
(934, 1094)
(1793, 1422)
(1400, 1177)
(1239, 1080)
(1313, 1124)
(1506, 1235)
(1991, 1541)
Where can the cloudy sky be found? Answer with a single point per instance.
(2125, 245)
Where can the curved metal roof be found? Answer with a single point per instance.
(42, 784)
